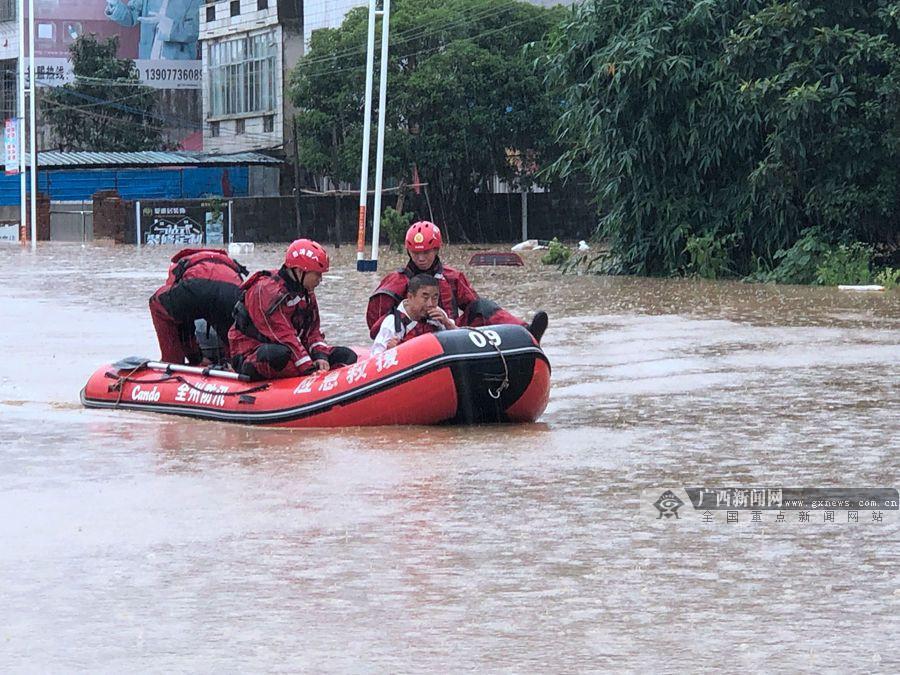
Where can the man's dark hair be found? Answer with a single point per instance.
(420, 281)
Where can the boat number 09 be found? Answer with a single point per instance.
(482, 338)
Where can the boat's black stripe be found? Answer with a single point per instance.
(313, 407)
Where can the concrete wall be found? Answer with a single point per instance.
(111, 217)
(265, 219)
(11, 213)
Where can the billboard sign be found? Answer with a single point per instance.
(10, 233)
(184, 223)
(160, 36)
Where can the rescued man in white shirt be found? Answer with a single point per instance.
(416, 315)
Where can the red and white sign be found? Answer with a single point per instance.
(11, 145)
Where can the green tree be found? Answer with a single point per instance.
(106, 108)
(742, 121)
(462, 94)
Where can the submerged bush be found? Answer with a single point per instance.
(557, 253)
(396, 224)
(797, 264)
(591, 262)
(845, 264)
(889, 277)
(709, 255)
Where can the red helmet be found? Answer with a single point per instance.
(307, 256)
(423, 236)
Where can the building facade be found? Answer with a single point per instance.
(9, 57)
(248, 49)
(177, 113)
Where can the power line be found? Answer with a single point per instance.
(420, 32)
(120, 123)
(430, 50)
(401, 38)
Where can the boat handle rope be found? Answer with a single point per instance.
(504, 383)
(122, 379)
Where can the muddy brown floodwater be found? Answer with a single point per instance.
(130, 541)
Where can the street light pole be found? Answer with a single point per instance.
(32, 113)
(379, 143)
(367, 139)
(20, 122)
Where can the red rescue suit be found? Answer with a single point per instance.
(201, 284)
(275, 310)
(457, 298)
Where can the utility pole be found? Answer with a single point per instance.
(296, 163)
(336, 228)
(30, 89)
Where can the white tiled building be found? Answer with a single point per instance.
(326, 14)
(248, 49)
(9, 57)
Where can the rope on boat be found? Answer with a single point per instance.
(122, 379)
(504, 383)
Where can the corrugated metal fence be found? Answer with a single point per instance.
(71, 221)
(159, 183)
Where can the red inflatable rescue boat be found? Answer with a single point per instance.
(465, 376)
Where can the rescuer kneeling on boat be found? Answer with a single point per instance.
(457, 297)
(202, 284)
(418, 314)
(276, 329)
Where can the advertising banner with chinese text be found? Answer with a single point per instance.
(11, 145)
(160, 36)
(183, 223)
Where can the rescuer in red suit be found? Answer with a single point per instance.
(457, 297)
(276, 329)
(202, 284)
(417, 315)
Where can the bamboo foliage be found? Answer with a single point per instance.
(738, 121)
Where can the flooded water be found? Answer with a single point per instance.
(130, 541)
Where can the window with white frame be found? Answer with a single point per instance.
(242, 75)
(8, 10)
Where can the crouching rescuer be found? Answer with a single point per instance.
(276, 330)
(202, 284)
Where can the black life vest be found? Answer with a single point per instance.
(244, 323)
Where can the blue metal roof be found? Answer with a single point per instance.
(58, 160)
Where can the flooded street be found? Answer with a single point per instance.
(133, 541)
